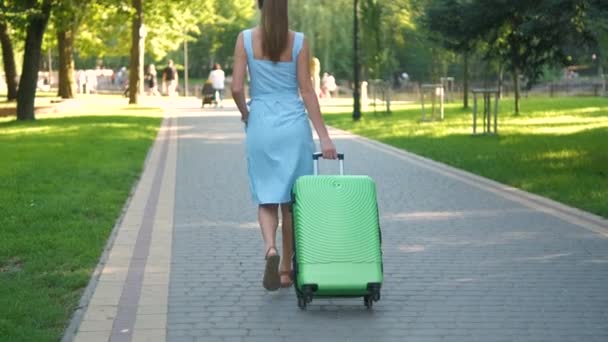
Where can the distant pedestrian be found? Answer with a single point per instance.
(91, 77)
(170, 79)
(121, 77)
(81, 79)
(218, 78)
(331, 85)
(152, 81)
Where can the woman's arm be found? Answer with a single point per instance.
(312, 103)
(238, 78)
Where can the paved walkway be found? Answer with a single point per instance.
(466, 259)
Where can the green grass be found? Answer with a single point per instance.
(63, 182)
(557, 148)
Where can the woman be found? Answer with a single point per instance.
(218, 78)
(152, 81)
(279, 143)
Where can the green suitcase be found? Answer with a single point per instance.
(337, 238)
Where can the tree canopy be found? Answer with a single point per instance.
(425, 38)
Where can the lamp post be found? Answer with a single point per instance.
(186, 66)
(596, 60)
(357, 69)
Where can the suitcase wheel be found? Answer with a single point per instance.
(302, 303)
(373, 295)
(374, 291)
(306, 296)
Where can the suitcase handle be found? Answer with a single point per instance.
(317, 155)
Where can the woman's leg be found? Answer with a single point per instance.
(268, 216)
(287, 230)
(269, 220)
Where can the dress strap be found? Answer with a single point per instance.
(298, 41)
(248, 40)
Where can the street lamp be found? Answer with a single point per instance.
(357, 69)
(186, 66)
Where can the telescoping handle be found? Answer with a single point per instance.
(318, 155)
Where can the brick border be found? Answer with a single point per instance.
(124, 322)
(77, 318)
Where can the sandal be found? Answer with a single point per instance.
(272, 280)
(286, 274)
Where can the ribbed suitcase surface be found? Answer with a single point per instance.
(337, 234)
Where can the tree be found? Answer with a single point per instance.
(597, 21)
(8, 54)
(526, 36)
(218, 32)
(328, 26)
(376, 55)
(38, 13)
(450, 20)
(106, 30)
(168, 24)
(522, 36)
(408, 39)
(68, 15)
(136, 46)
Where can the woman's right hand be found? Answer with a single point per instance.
(328, 148)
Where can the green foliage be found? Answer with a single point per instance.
(555, 148)
(450, 20)
(328, 26)
(525, 36)
(218, 33)
(15, 22)
(68, 14)
(170, 23)
(14, 14)
(422, 37)
(376, 54)
(596, 20)
(106, 29)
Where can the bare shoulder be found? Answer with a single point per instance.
(255, 31)
(294, 33)
(241, 35)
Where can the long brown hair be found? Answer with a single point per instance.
(275, 28)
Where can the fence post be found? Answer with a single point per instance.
(389, 89)
(474, 113)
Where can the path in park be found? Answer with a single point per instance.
(465, 259)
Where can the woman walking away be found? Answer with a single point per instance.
(279, 143)
(152, 81)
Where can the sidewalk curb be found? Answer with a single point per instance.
(581, 218)
(78, 315)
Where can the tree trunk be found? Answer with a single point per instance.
(67, 85)
(8, 56)
(500, 80)
(516, 89)
(465, 78)
(135, 45)
(26, 94)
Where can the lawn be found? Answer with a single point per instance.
(557, 147)
(63, 182)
